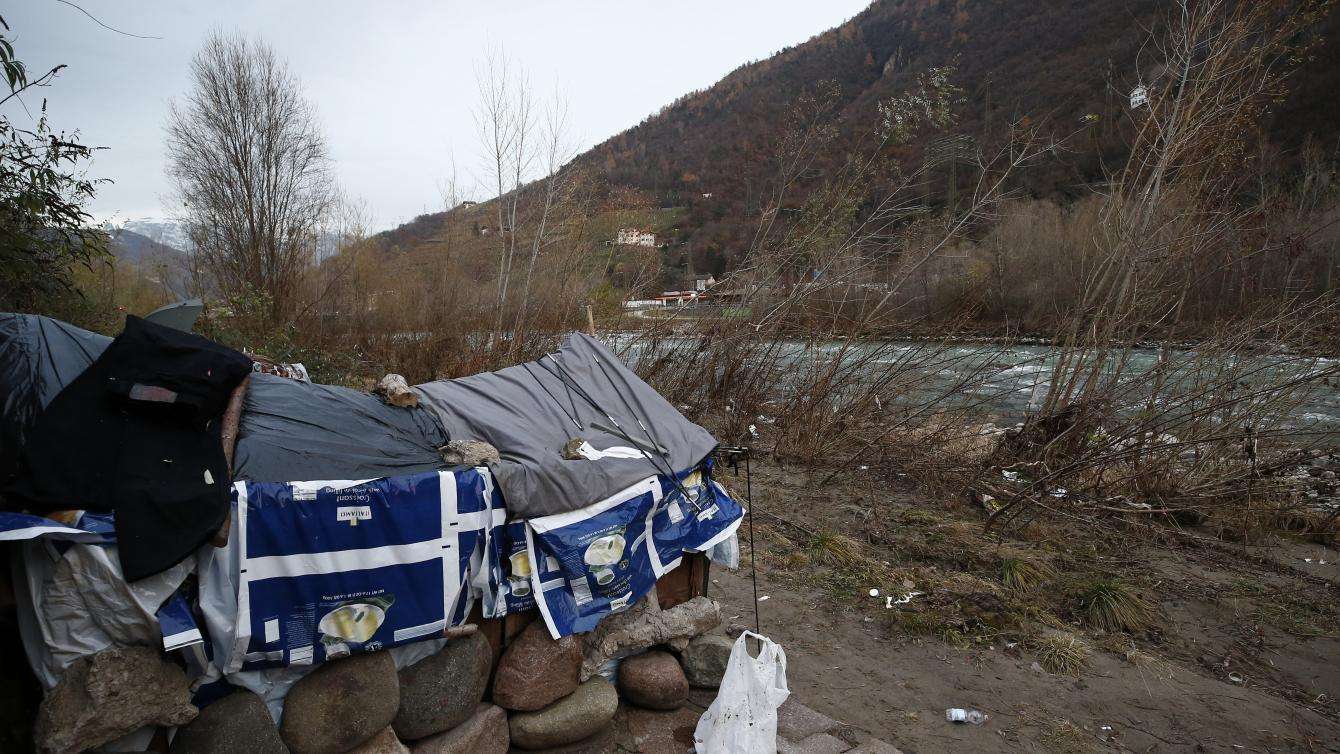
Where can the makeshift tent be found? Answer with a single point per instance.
(348, 532)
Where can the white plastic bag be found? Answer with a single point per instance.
(743, 718)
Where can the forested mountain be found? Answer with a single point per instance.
(1056, 63)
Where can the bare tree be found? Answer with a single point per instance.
(250, 167)
(504, 120)
(556, 151)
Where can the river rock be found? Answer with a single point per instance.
(237, 722)
(653, 680)
(397, 392)
(705, 660)
(469, 453)
(573, 718)
(485, 732)
(109, 694)
(440, 692)
(341, 704)
(535, 670)
(385, 742)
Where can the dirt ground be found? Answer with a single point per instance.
(1240, 652)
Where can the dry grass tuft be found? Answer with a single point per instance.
(1023, 575)
(1111, 605)
(1061, 652)
(833, 549)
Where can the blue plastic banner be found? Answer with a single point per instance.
(333, 568)
(694, 515)
(509, 588)
(599, 552)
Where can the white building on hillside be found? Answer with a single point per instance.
(635, 237)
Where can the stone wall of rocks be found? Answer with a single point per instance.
(538, 696)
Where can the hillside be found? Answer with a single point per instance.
(138, 249)
(1051, 61)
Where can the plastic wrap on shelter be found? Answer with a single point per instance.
(531, 411)
(300, 431)
(38, 357)
(289, 430)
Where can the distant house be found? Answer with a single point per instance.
(467, 203)
(707, 195)
(635, 237)
(701, 283)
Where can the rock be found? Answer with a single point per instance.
(440, 692)
(485, 732)
(604, 742)
(385, 742)
(468, 453)
(577, 716)
(819, 743)
(653, 680)
(654, 732)
(237, 722)
(797, 722)
(536, 671)
(645, 625)
(705, 660)
(109, 694)
(397, 391)
(341, 704)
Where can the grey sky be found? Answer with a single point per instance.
(394, 82)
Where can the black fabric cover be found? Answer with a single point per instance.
(530, 411)
(138, 433)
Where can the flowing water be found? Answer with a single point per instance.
(1010, 381)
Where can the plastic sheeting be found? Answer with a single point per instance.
(300, 431)
(76, 602)
(289, 430)
(38, 357)
(530, 411)
(317, 570)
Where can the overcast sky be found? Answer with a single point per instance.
(393, 82)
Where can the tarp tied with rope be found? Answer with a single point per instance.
(532, 411)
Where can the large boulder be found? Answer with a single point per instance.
(237, 722)
(109, 694)
(645, 625)
(535, 670)
(705, 660)
(653, 680)
(440, 692)
(385, 742)
(341, 704)
(573, 718)
(485, 732)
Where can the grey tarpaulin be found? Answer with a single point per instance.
(296, 431)
(290, 431)
(527, 412)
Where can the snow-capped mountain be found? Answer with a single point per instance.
(158, 230)
(172, 234)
